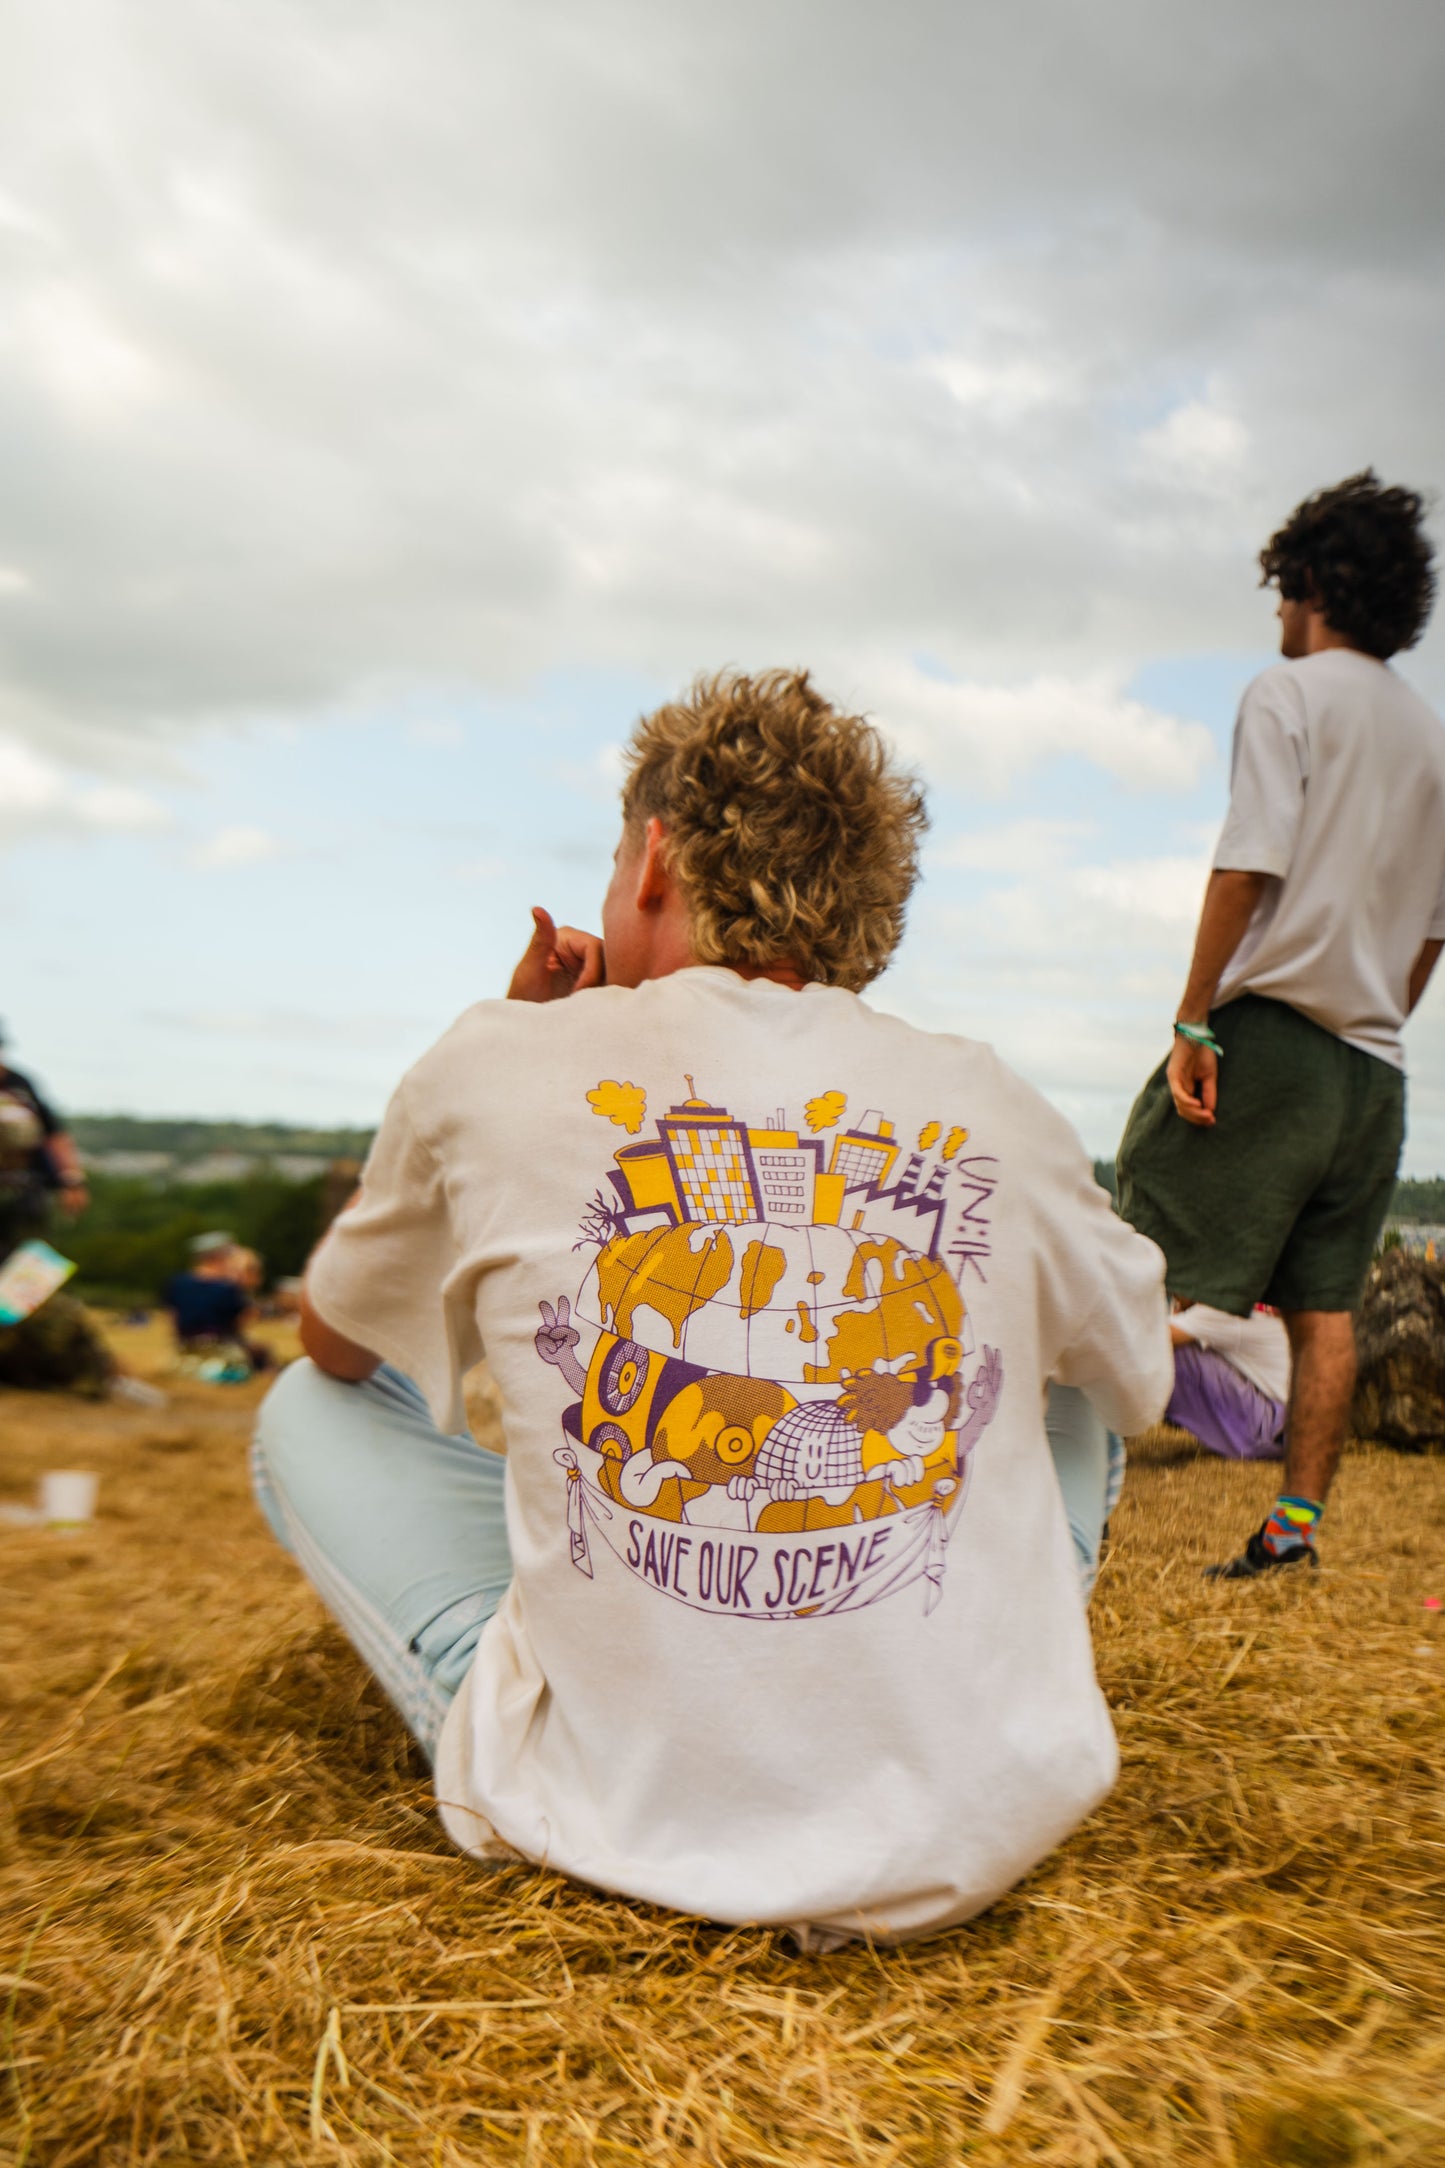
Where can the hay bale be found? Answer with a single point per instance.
(1400, 1336)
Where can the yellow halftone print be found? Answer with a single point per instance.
(953, 1140)
(929, 1135)
(824, 1112)
(624, 1104)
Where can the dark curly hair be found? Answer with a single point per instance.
(1359, 553)
(790, 831)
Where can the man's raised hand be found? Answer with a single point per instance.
(558, 960)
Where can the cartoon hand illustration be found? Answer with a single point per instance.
(983, 1393)
(641, 1478)
(555, 1339)
(785, 1490)
(982, 1396)
(901, 1473)
(743, 1486)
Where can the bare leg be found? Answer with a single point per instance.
(1322, 1384)
(1322, 1343)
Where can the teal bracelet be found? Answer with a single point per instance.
(1199, 1035)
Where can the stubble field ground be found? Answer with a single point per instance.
(231, 1931)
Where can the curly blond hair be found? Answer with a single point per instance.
(790, 834)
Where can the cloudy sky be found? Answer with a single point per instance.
(395, 400)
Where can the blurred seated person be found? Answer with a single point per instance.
(1231, 1380)
(211, 1306)
(37, 1157)
(58, 1346)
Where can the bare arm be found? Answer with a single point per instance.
(1180, 1338)
(1229, 905)
(69, 1173)
(331, 1351)
(1420, 972)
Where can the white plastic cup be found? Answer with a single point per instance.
(67, 1497)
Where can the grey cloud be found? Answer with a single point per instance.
(356, 347)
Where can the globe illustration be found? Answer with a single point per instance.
(804, 1306)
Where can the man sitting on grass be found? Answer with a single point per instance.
(772, 1610)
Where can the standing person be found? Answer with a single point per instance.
(38, 1157)
(1261, 1156)
(57, 1345)
(771, 1611)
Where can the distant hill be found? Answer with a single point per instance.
(188, 1140)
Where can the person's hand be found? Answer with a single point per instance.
(1193, 1077)
(558, 960)
(74, 1197)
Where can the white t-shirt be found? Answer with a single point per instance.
(769, 1284)
(1337, 789)
(1256, 1346)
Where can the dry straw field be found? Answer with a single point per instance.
(230, 1931)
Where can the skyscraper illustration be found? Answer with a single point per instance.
(712, 1162)
(864, 1156)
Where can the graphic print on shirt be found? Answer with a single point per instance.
(777, 1394)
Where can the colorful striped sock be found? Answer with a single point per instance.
(1291, 1525)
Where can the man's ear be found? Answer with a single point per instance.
(654, 880)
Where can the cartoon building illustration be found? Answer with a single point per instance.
(912, 1208)
(864, 1156)
(712, 1162)
(787, 1171)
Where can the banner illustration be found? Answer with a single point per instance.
(776, 1391)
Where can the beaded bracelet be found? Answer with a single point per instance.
(1199, 1035)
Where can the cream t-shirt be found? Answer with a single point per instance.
(1337, 790)
(1256, 1346)
(769, 1284)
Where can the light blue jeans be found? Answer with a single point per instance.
(402, 1531)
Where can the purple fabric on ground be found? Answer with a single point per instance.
(1224, 1411)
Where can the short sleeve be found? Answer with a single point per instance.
(389, 1275)
(45, 1114)
(1103, 1317)
(1437, 924)
(1269, 769)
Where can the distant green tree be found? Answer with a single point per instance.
(137, 1233)
(1420, 1200)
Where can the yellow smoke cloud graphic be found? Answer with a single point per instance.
(624, 1104)
(929, 1135)
(953, 1140)
(823, 1113)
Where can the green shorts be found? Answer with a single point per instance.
(1284, 1199)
